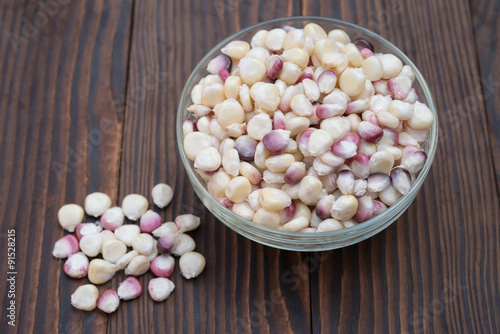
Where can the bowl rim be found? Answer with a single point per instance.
(270, 232)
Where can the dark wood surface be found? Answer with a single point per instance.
(89, 91)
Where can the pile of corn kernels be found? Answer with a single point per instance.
(306, 131)
(111, 238)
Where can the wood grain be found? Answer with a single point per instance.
(60, 139)
(486, 29)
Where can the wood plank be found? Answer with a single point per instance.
(436, 268)
(486, 29)
(236, 288)
(60, 139)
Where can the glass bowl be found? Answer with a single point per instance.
(294, 240)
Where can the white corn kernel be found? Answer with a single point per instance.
(112, 218)
(259, 39)
(280, 163)
(187, 222)
(113, 250)
(353, 55)
(295, 38)
(232, 86)
(266, 218)
(127, 233)
(406, 139)
(266, 96)
(253, 199)
(297, 56)
(230, 163)
(246, 101)
(339, 35)
(310, 190)
(387, 119)
(203, 125)
(381, 88)
(138, 266)
(212, 94)
(160, 288)
(270, 177)
(250, 172)
(422, 117)
(194, 143)
(292, 190)
(238, 189)
(69, 216)
(344, 207)
(107, 235)
(274, 199)
(301, 105)
(260, 156)
(373, 68)
(208, 160)
(134, 206)
(391, 64)
(336, 61)
(290, 73)
(162, 195)
(236, 49)
(296, 124)
(322, 168)
(123, 262)
(244, 210)
(275, 38)
(101, 271)
(320, 141)
(96, 203)
(191, 264)
(315, 31)
(154, 254)
(402, 110)
(368, 90)
(287, 96)
(311, 90)
(381, 162)
(229, 112)
(329, 225)
(91, 244)
(296, 224)
(345, 181)
(251, 70)
(260, 54)
(166, 228)
(184, 243)
(336, 126)
(259, 125)
(199, 111)
(389, 195)
(143, 243)
(85, 297)
(235, 130)
(352, 81)
(218, 183)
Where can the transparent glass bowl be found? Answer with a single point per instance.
(294, 240)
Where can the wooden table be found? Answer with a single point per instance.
(89, 91)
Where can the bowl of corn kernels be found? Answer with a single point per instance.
(306, 133)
